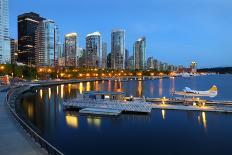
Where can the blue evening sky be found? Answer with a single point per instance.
(177, 31)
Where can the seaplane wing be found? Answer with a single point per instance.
(212, 92)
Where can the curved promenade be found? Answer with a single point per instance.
(16, 137)
(14, 140)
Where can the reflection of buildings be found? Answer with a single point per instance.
(49, 93)
(160, 87)
(88, 86)
(172, 80)
(71, 120)
(41, 93)
(62, 92)
(81, 88)
(109, 85)
(118, 86)
(140, 88)
(151, 88)
(95, 121)
(30, 111)
(96, 86)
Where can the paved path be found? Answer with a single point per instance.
(13, 139)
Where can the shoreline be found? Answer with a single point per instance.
(50, 83)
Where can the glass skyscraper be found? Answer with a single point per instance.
(4, 33)
(104, 54)
(27, 25)
(140, 53)
(71, 50)
(47, 44)
(94, 50)
(118, 49)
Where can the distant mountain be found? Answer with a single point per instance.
(220, 70)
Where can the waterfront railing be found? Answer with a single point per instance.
(11, 99)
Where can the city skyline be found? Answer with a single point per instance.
(190, 37)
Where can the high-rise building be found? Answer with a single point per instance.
(109, 60)
(131, 63)
(104, 54)
(156, 65)
(94, 50)
(140, 53)
(126, 58)
(27, 25)
(82, 58)
(163, 67)
(80, 55)
(47, 44)
(4, 33)
(71, 50)
(13, 50)
(118, 49)
(150, 63)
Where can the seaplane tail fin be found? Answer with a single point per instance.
(187, 89)
(213, 89)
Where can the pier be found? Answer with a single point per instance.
(100, 111)
(124, 106)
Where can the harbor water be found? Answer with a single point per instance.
(161, 132)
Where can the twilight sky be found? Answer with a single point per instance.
(177, 31)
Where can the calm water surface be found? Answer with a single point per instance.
(161, 132)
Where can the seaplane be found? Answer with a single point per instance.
(212, 92)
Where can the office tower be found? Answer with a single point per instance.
(13, 50)
(80, 58)
(150, 63)
(109, 61)
(4, 33)
(104, 55)
(163, 67)
(156, 65)
(94, 50)
(118, 49)
(46, 44)
(71, 50)
(131, 63)
(140, 53)
(83, 58)
(126, 58)
(27, 25)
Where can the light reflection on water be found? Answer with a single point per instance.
(94, 121)
(155, 129)
(161, 87)
(71, 120)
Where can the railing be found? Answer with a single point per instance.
(11, 99)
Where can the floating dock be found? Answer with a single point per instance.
(123, 106)
(100, 111)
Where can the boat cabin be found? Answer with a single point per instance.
(104, 95)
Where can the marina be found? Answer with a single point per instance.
(172, 123)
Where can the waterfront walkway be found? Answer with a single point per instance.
(13, 139)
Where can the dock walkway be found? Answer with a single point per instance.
(13, 139)
(136, 106)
